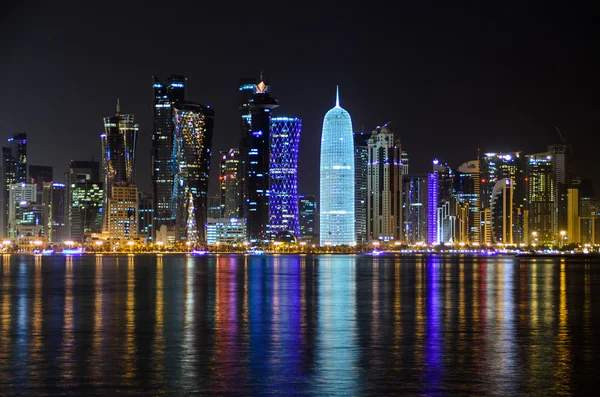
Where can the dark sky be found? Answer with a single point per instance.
(451, 77)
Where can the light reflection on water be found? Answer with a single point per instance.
(298, 325)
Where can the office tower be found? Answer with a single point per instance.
(146, 216)
(231, 188)
(214, 207)
(85, 197)
(39, 174)
(14, 170)
(163, 162)
(192, 145)
(54, 200)
(414, 203)
(445, 179)
(336, 201)
(573, 223)
(540, 199)
(307, 209)
(122, 211)
(467, 191)
(562, 168)
(432, 204)
(384, 176)
(404, 157)
(283, 175)
(118, 154)
(361, 160)
(501, 212)
(255, 163)
(247, 88)
(20, 197)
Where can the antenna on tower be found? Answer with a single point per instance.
(118, 106)
(559, 134)
(337, 96)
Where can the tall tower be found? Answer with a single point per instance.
(501, 212)
(432, 209)
(229, 179)
(118, 155)
(255, 163)
(163, 163)
(414, 203)
(467, 188)
(336, 199)
(191, 152)
(84, 199)
(384, 187)
(361, 161)
(14, 170)
(540, 198)
(562, 174)
(283, 174)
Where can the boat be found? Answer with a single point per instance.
(72, 251)
(198, 252)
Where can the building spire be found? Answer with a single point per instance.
(337, 96)
(118, 107)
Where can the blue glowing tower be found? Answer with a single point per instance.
(432, 200)
(337, 178)
(283, 175)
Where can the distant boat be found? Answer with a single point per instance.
(72, 251)
(255, 252)
(198, 252)
(377, 252)
(47, 252)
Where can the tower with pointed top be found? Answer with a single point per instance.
(118, 154)
(336, 201)
(255, 163)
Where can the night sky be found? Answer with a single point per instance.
(450, 79)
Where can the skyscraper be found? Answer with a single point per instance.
(414, 202)
(501, 212)
(540, 199)
(255, 163)
(283, 175)
(123, 211)
(336, 201)
(231, 189)
(361, 161)
(118, 155)
(573, 222)
(163, 162)
(467, 190)
(384, 187)
(307, 208)
(562, 174)
(404, 163)
(55, 205)
(432, 206)
(146, 216)
(14, 170)
(192, 150)
(85, 197)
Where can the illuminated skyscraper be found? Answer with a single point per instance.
(14, 170)
(84, 199)
(283, 175)
(501, 212)
(307, 209)
(336, 201)
(54, 200)
(384, 187)
(414, 203)
(163, 162)
(540, 198)
(432, 205)
(562, 174)
(191, 152)
(573, 222)
(146, 216)
(255, 163)
(122, 211)
(361, 162)
(467, 190)
(118, 155)
(231, 189)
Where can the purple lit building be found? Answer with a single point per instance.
(432, 200)
(283, 177)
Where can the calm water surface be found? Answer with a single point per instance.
(298, 325)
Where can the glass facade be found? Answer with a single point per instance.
(229, 179)
(191, 152)
(361, 161)
(307, 209)
(14, 170)
(414, 202)
(540, 198)
(85, 198)
(163, 163)
(432, 203)
(336, 201)
(283, 175)
(55, 202)
(467, 190)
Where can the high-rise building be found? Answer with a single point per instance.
(336, 199)
(20, 197)
(540, 199)
(14, 170)
(384, 176)
(231, 188)
(432, 209)
(225, 231)
(361, 161)
(123, 211)
(414, 203)
(192, 150)
(163, 161)
(501, 212)
(85, 198)
(307, 209)
(247, 88)
(146, 216)
(255, 163)
(215, 210)
(54, 200)
(445, 180)
(404, 156)
(573, 223)
(118, 154)
(283, 175)
(467, 191)
(562, 174)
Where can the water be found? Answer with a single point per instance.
(298, 325)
